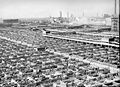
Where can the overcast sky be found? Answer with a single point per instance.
(45, 8)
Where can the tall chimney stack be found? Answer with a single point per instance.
(60, 14)
(115, 8)
(67, 14)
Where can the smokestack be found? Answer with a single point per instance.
(67, 14)
(83, 14)
(61, 14)
(115, 8)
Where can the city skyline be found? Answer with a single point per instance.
(46, 8)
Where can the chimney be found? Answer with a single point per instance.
(83, 14)
(60, 14)
(67, 14)
(115, 8)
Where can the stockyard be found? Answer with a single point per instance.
(53, 58)
(59, 51)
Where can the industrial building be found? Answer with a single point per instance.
(10, 21)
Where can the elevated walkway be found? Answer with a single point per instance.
(83, 40)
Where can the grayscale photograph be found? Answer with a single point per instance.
(59, 43)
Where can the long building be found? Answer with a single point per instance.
(10, 21)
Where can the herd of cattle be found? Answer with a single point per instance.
(24, 66)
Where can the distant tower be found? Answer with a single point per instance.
(83, 14)
(97, 14)
(60, 14)
(67, 14)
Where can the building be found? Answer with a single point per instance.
(97, 20)
(115, 24)
(10, 21)
(115, 19)
(108, 21)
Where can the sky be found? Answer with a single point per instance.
(46, 8)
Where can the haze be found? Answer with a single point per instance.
(46, 8)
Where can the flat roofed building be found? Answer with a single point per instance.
(115, 24)
(10, 21)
